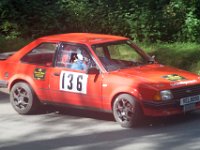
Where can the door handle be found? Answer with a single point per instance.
(56, 74)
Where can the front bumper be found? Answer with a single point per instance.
(160, 105)
(152, 108)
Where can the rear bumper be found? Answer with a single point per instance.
(151, 108)
(3, 84)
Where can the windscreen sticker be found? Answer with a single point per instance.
(39, 73)
(174, 77)
(73, 82)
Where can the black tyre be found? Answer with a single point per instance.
(127, 111)
(23, 99)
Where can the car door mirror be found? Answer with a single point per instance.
(152, 59)
(93, 70)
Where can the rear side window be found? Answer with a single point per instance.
(41, 55)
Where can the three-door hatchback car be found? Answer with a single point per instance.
(94, 71)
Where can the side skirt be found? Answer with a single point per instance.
(75, 106)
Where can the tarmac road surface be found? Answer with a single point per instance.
(88, 130)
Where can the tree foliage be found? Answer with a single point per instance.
(147, 20)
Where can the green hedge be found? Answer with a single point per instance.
(12, 44)
(143, 20)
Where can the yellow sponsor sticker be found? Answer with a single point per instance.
(174, 77)
(39, 73)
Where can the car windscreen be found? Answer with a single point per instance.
(120, 55)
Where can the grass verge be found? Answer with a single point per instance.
(181, 55)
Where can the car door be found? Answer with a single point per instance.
(70, 84)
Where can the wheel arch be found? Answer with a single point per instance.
(26, 79)
(16, 81)
(133, 93)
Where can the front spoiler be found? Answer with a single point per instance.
(160, 105)
(3, 84)
(173, 107)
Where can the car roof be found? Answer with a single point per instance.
(89, 38)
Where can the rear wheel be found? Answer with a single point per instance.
(23, 99)
(127, 111)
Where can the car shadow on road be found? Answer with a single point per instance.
(159, 131)
(174, 120)
(147, 122)
(160, 138)
(81, 113)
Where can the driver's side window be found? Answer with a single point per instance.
(74, 57)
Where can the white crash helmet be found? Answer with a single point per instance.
(80, 56)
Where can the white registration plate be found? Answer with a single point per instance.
(189, 100)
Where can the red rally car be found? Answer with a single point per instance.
(95, 71)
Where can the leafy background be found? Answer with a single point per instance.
(169, 29)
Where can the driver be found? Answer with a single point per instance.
(79, 63)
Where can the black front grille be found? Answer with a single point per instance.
(186, 91)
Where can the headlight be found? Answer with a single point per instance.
(166, 95)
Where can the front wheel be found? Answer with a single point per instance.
(23, 99)
(127, 111)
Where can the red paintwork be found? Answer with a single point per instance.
(143, 82)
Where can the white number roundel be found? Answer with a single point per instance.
(73, 82)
